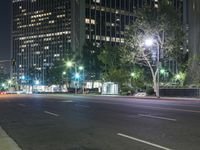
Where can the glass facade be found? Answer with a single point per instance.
(41, 34)
(106, 20)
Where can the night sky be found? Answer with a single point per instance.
(5, 31)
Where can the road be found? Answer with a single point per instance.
(37, 122)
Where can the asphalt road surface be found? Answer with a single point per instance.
(37, 122)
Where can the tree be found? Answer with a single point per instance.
(162, 28)
(138, 77)
(112, 65)
(90, 60)
(55, 73)
(3, 78)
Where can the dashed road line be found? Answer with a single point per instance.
(157, 117)
(167, 108)
(85, 106)
(67, 101)
(142, 141)
(50, 113)
(22, 105)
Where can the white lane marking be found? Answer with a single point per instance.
(157, 117)
(67, 101)
(85, 106)
(167, 108)
(142, 141)
(6, 142)
(22, 105)
(50, 113)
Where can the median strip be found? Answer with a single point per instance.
(142, 141)
(157, 117)
(7, 143)
(50, 113)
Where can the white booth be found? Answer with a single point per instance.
(110, 88)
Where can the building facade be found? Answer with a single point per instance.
(41, 35)
(46, 30)
(193, 20)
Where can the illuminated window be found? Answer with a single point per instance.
(97, 1)
(56, 55)
(51, 22)
(46, 47)
(90, 21)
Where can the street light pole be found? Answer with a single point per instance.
(158, 69)
(149, 42)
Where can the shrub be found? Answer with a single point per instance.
(150, 91)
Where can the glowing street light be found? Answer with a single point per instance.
(3, 85)
(37, 82)
(23, 77)
(77, 75)
(178, 77)
(9, 81)
(64, 73)
(81, 68)
(69, 64)
(148, 42)
(133, 74)
(162, 71)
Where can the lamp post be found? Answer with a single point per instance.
(69, 65)
(77, 75)
(37, 82)
(81, 68)
(149, 43)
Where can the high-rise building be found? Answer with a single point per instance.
(41, 34)
(46, 30)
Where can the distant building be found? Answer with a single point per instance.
(47, 30)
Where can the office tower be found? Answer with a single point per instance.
(46, 30)
(41, 35)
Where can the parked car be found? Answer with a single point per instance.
(2, 92)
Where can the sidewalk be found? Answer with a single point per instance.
(168, 98)
(6, 143)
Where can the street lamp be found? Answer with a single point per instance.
(69, 64)
(149, 42)
(9, 81)
(162, 71)
(81, 68)
(3, 85)
(77, 75)
(133, 74)
(37, 82)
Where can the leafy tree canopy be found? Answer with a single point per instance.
(164, 27)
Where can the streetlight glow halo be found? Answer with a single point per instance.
(80, 67)
(69, 64)
(148, 42)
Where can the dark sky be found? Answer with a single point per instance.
(5, 22)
